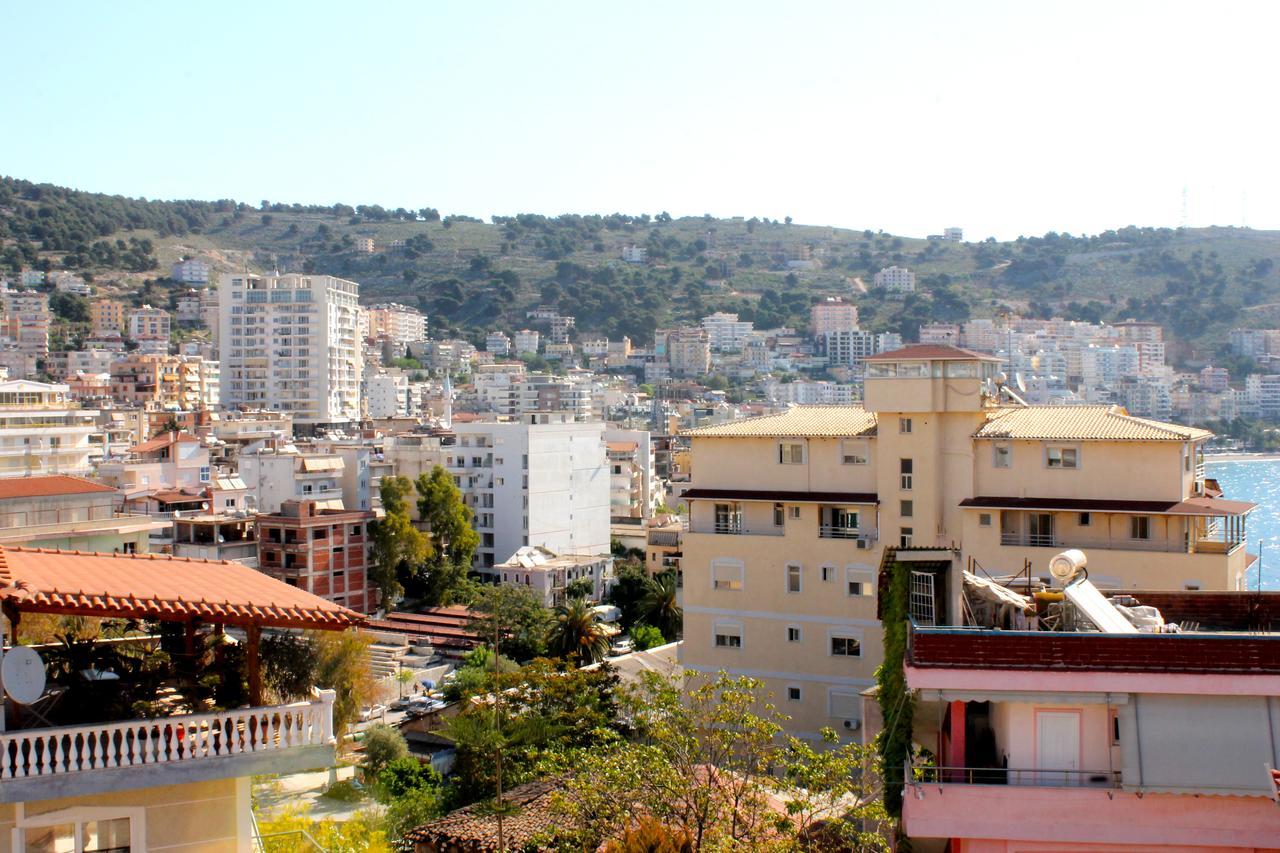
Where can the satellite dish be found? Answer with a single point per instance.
(1017, 380)
(205, 506)
(23, 674)
(1067, 565)
(1001, 379)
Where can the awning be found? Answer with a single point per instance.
(1191, 506)
(773, 496)
(311, 463)
(330, 503)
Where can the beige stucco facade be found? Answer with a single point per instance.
(790, 516)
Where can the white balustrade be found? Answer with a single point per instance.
(34, 753)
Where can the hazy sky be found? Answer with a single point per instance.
(1003, 118)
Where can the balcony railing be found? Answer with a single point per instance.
(833, 531)
(42, 753)
(1030, 540)
(1016, 777)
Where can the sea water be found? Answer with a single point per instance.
(1256, 480)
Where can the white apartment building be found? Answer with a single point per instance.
(527, 341)
(953, 235)
(498, 387)
(67, 283)
(940, 334)
(190, 271)
(31, 278)
(364, 245)
(560, 326)
(497, 343)
(43, 432)
(820, 393)
(397, 323)
(189, 308)
(1106, 365)
(982, 335)
(27, 322)
(832, 315)
(288, 343)
(634, 489)
(542, 480)
(335, 476)
(635, 254)
(725, 332)
(687, 351)
(549, 574)
(849, 348)
(895, 280)
(386, 395)
(150, 328)
(578, 395)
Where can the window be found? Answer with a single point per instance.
(904, 537)
(1086, 519)
(845, 647)
(793, 693)
(791, 453)
(904, 425)
(905, 470)
(853, 453)
(793, 634)
(795, 512)
(828, 573)
(1115, 728)
(984, 519)
(793, 577)
(85, 829)
(778, 516)
(1140, 527)
(1062, 457)
(857, 582)
(1001, 455)
(728, 635)
(726, 574)
(904, 508)
(845, 705)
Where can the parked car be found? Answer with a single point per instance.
(373, 712)
(621, 646)
(400, 704)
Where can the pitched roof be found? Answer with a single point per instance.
(474, 829)
(155, 586)
(163, 440)
(1082, 423)
(932, 352)
(49, 486)
(800, 421)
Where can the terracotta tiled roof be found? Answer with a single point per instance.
(50, 486)
(163, 440)
(1081, 423)
(801, 421)
(931, 352)
(471, 829)
(154, 586)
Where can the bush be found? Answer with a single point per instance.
(646, 637)
(412, 810)
(344, 792)
(405, 774)
(383, 744)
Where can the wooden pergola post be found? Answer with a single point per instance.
(254, 663)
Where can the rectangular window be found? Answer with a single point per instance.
(795, 512)
(984, 519)
(904, 508)
(793, 634)
(778, 516)
(726, 574)
(793, 693)
(728, 635)
(904, 537)
(846, 647)
(1140, 527)
(906, 469)
(904, 425)
(853, 453)
(857, 582)
(791, 453)
(1001, 455)
(793, 577)
(1086, 519)
(828, 573)
(1062, 457)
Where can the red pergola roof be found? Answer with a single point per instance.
(155, 586)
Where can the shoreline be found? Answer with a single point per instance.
(1211, 458)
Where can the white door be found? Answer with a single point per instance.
(1057, 747)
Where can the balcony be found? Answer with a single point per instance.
(1213, 544)
(1017, 777)
(862, 538)
(83, 759)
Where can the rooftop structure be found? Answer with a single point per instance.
(548, 574)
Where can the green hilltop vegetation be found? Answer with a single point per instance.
(471, 276)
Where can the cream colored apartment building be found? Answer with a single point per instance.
(791, 515)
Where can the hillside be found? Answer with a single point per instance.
(471, 276)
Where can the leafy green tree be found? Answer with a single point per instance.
(515, 616)
(628, 590)
(576, 634)
(403, 774)
(69, 306)
(646, 637)
(411, 810)
(660, 606)
(453, 539)
(579, 588)
(288, 665)
(342, 665)
(399, 549)
(383, 745)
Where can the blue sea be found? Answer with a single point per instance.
(1256, 480)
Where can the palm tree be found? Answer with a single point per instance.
(660, 607)
(576, 633)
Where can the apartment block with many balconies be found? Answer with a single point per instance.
(791, 515)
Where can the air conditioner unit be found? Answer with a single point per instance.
(862, 544)
(853, 725)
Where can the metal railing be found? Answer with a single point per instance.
(42, 753)
(1018, 777)
(1037, 540)
(831, 531)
